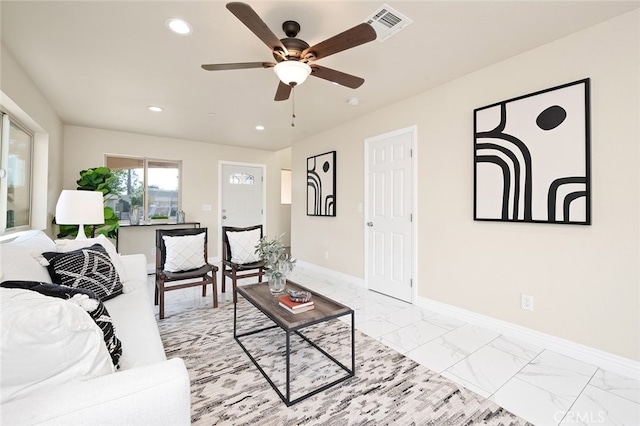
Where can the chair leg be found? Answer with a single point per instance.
(161, 297)
(224, 278)
(235, 295)
(204, 286)
(155, 297)
(215, 289)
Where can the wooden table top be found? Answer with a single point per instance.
(260, 296)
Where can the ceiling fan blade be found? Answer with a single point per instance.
(360, 34)
(283, 92)
(251, 20)
(339, 77)
(237, 66)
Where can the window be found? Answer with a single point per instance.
(16, 153)
(241, 179)
(149, 183)
(285, 186)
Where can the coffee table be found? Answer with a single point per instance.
(325, 309)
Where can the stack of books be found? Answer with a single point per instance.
(295, 307)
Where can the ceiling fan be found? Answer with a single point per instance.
(294, 57)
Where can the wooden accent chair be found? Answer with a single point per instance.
(178, 259)
(236, 268)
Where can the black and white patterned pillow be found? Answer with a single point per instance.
(88, 301)
(89, 268)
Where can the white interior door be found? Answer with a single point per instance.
(389, 219)
(242, 189)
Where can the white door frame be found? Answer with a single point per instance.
(413, 130)
(264, 194)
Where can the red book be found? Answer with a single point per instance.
(298, 310)
(286, 301)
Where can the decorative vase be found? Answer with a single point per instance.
(134, 215)
(277, 285)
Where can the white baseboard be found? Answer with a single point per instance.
(604, 360)
(342, 277)
(599, 358)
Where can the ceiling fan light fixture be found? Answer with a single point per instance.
(292, 72)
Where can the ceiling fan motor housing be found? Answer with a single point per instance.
(294, 45)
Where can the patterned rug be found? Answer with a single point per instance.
(388, 388)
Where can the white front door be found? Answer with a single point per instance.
(241, 195)
(389, 218)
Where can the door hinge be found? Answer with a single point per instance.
(411, 282)
(410, 217)
(411, 153)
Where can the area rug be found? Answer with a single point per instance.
(388, 388)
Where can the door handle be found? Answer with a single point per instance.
(369, 224)
(224, 217)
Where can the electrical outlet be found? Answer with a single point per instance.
(526, 302)
(153, 251)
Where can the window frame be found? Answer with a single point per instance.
(145, 177)
(6, 121)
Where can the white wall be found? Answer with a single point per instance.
(24, 101)
(585, 279)
(86, 147)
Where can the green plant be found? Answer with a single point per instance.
(278, 262)
(159, 217)
(95, 179)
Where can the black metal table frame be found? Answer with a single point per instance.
(287, 398)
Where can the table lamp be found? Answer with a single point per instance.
(80, 208)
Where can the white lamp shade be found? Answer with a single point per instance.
(292, 72)
(80, 208)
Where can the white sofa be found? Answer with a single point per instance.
(148, 389)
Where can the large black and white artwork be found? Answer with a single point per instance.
(532, 157)
(321, 185)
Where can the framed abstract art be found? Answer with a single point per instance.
(321, 184)
(532, 159)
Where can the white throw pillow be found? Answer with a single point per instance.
(20, 258)
(63, 246)
(18, 263)
(184, 253)
(34, 240)
(243, 246)
(46, 342)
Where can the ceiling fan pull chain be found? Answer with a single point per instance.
(293, 105)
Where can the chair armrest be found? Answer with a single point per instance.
(155, 394)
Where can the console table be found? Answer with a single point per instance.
(151, 225)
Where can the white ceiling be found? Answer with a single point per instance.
(101, 63)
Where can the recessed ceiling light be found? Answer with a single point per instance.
(178, 26)
(259, 127)
(155, 108)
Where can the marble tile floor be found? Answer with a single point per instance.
(541, 386)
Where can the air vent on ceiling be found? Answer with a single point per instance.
(387, 22)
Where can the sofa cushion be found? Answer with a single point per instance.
(46, 342)
(34, 240)
(70, 245)
(18, 263)
(184, 253)
(88, 301)
(20, 257)
(89, 268)
(243, 246)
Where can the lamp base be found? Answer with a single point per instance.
(81, 235)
